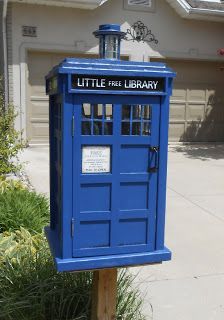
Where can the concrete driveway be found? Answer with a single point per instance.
(191, 286)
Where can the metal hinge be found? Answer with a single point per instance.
(72, 227)
(73, 126)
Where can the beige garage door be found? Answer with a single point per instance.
(197, 103)
(39, 64)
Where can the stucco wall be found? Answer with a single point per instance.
(63, 29)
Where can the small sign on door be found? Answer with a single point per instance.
(95, 159)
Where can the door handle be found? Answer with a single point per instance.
(155, 155)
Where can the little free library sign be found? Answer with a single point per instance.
(92, 82)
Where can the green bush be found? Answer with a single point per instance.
(24, 208)
(31, 289)
(10, 139)
(10, 184)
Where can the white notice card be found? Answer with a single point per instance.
(96, 159)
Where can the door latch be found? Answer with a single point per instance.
(155, 156)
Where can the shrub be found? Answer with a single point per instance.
(24, 208)
(31, 289)
(10, 139)
(10, 184)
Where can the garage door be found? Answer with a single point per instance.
(197, 103)
(39, 64)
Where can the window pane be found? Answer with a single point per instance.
(108, 112)
(147, 112)
(126, 128)
(86, 110)
(126, 111)
(146, 128)
(137, 112)
(108, 128)
(97, 111)
(97, 128)
(86, 128)
(136, 128)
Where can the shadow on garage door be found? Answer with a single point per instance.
(197, 103)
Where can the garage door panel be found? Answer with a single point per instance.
(179, 93)
(176, 130)
(215, 112)
(196, 105)
(38, 91)
(195, 112)
(177, 111)
(199, 86)
(39, 64)
(207, 131)
(39, 61)
(196, 94)
(215, 96)
(39, 107)
(40, 130)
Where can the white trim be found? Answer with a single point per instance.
(186, 11)
(79, 4)
(181, 55)
(5, 53)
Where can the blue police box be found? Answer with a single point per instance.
(108, 159)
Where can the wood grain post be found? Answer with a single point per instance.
(104, 294)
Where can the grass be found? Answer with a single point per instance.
(24, 208)
(31, 289)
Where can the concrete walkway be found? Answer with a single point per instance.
(191, 286)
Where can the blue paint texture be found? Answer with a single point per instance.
(113, 216)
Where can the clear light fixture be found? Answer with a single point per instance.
(110, 36)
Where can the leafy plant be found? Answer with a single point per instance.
(129, 300)
(10, 184)
(24, 208)
(31, 289)
(10, 139)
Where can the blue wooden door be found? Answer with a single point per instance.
(114, 175)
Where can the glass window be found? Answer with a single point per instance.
(136, 120)
(97, 119)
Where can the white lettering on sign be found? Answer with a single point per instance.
(91, 83)
(105, 82)
(96, 159)
(139, 84)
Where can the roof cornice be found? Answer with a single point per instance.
(185, 10)
(80, 4)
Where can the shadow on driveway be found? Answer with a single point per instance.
(201, 152)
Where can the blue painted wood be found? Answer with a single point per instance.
(161, 209)
(129, 195)
(102, 220)
(108, 261)
(67, 177)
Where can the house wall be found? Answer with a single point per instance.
(70, 30)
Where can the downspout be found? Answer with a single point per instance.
(5, 55)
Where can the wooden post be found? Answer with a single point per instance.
(104, 294)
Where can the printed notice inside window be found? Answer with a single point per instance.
(96, 159)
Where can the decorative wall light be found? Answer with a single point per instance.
(140, 32)
(221, 52)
